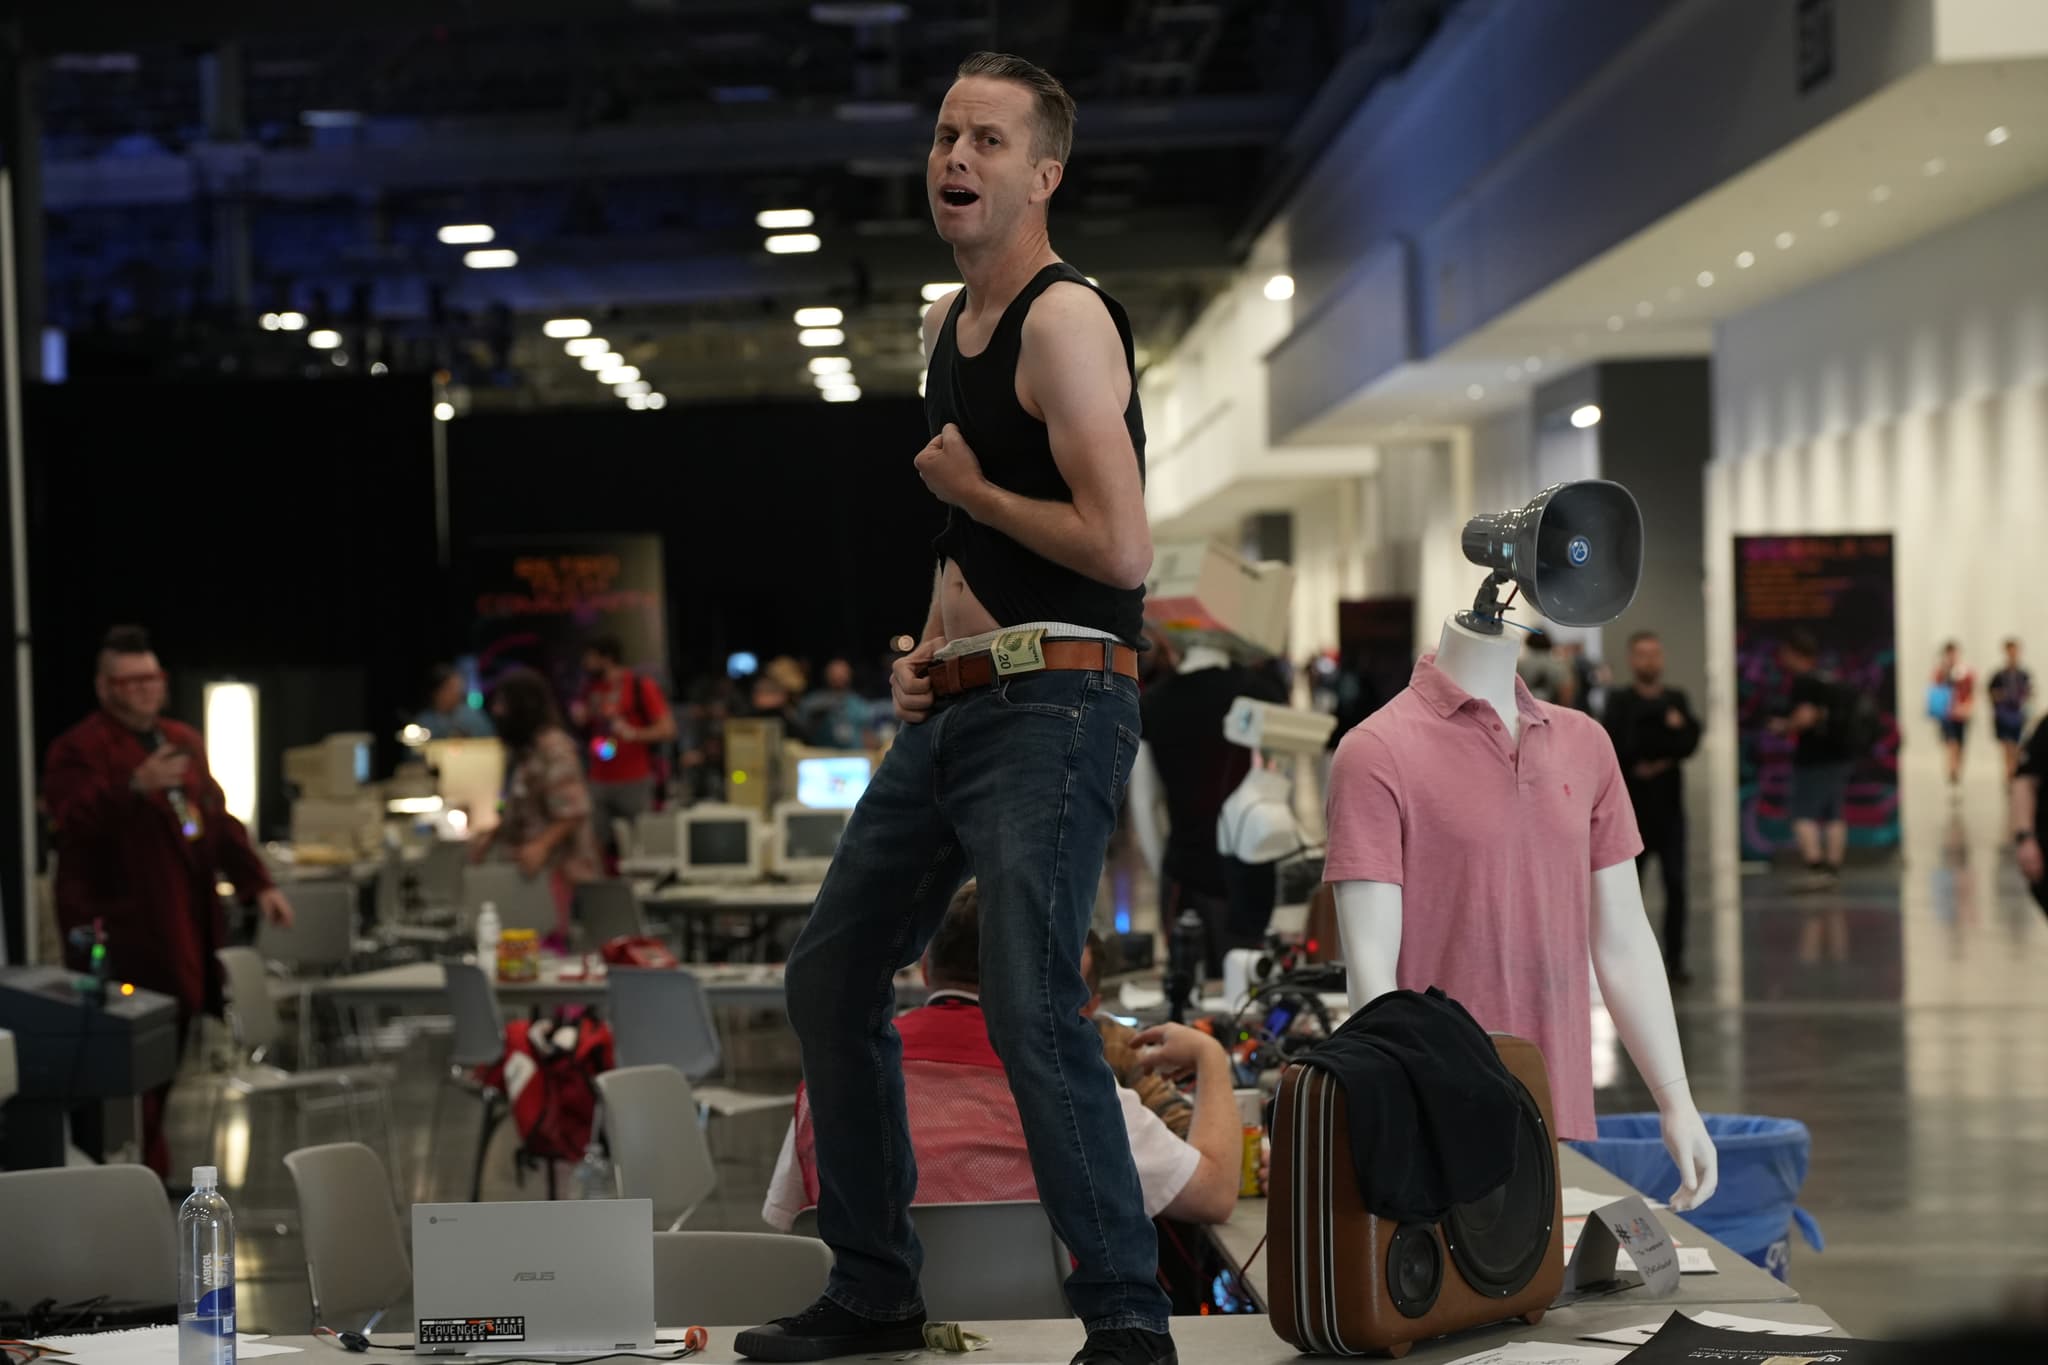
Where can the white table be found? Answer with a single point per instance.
(697, 904)
(1215, 1340)
(1736, 1280)
(423, 986)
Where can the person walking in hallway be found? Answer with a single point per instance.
(1951, 700)
(2011, 692)
(1020, 727)
(1820, 714)
(1654, 731)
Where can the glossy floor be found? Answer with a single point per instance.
(1903, 1018)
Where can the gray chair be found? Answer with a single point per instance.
(437, 882)
(985, 1262)
(252, 1018)
(104, 1230)
(522, 902)
(607, 910)
(735, 1276)
(321, 935)
(356, 1262)
(479, 1041)
(658, 1149)
(661, 1017)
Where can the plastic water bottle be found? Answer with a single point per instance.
(488, 932)
(206, 1274)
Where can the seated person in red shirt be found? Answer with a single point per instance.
(964, 1125)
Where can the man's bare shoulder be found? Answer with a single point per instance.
(935, 318)
(1069, 311)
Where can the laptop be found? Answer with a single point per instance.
(540, 1278)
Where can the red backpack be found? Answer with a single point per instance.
(549, 1074)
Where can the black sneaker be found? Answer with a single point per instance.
(1128, 1346)
(825, 1330)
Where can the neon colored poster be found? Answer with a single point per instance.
(539, 600)
(1838, 589)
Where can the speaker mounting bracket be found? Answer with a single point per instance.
(1487, 610)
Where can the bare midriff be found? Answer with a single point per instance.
(960, 611)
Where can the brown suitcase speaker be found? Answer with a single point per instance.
(1345, 1282)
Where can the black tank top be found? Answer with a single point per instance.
(979, 395)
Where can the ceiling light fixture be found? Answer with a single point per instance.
(587, 346)
(1880, 193)
(444, 411)
(559, 328)
(1829, 218)
(491, 258)
(1744, 259)
(1280, 288)
(637, 402)
(1586, 415)
(619, 374)
(1475, 392)
(845, 395)
(830, 364)
(605, 361)
(1705, 279)
(932, 293)
(326, 339)
(633, 388)
(467, 234)
(781, 220)
(1784, 241)
(819, 317)
(820, 336)
(1645, 308)
(657, 401)
(1998, 136)
(268, 322)
(1934, 165)
(838, 379)
(1615, 323)
(792, 244)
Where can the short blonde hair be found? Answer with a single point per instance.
(1054, 136)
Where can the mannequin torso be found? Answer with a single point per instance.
(1618, 938)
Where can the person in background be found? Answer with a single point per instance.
(1961, 683)
(2011, 690)
(1654, 731)
(834, 717)
(1119, 1049)
(545, 826)
(142, 835)
(2030, 813)
(449, 714)
(1541, 670)
(623, 716)
(1817, 714)
(964, 1128)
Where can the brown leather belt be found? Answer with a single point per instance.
(949, 677)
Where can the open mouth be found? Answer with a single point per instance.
(958, 198)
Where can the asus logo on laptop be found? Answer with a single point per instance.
(520, 1275)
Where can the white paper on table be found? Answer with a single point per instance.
(1691, 1260)
(1640, 1335)
(1134, 997)
(149, 1346)
(1544, 1353)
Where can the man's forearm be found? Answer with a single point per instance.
(1058, 532)
(1215, 1131)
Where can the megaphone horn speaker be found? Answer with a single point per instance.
(1576, 552)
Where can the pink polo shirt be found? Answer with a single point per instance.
(1494, 847)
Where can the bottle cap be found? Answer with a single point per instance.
(206, 1177)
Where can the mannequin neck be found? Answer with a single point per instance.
(1484, 665)
(1200, 657)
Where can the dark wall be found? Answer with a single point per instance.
(798, 528)
(1656, 433)
(279, 532)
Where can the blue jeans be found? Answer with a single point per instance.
(1018, 784)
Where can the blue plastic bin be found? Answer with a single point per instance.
(1763, 1164)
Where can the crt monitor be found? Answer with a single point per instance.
(806, 839)
(338, 766)
(832, 781)
(720, 844)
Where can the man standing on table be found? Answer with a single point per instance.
(1020, 705)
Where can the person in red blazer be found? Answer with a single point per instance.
(142, 834)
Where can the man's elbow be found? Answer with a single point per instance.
(1127, 562)
(1210, 1195)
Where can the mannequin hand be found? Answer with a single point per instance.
(1691, 1148)
(2029, 855)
